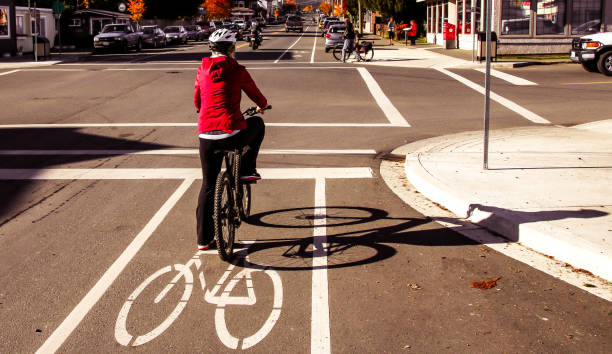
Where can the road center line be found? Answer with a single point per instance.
(75, 317)
(314, 44)
(507, 77)
(294, 43)
(320, 341)
(393, 115)
(527, 114)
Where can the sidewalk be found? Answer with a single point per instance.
(427, 55)
(549, 188)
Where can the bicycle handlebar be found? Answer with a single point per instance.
(251, 111)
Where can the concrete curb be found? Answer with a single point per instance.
(547, 239)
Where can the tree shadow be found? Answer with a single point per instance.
(42, 140)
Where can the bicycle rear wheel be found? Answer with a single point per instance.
(223, 216)
(367, 56)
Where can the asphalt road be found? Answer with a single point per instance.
(330, 260)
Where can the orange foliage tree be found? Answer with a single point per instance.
(137, 8)
(338, 11)
(217, 9)
(325, 8)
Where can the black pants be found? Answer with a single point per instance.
(211, 159)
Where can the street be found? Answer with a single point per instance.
(99, 178)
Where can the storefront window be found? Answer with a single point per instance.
(4, 21)
(20, 24)
(515, 17)
(440, 19)
(550, 16)
(586, 16)
(460, 16)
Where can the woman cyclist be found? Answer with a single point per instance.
(221, 126)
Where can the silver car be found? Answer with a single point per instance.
(176, 34)
(334, 37)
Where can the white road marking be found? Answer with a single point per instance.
(294, 43)
(108, 125)
(499, 99)
(314, 44)
(75, 317)
(507, 77)
(178, 152)
(9, 72)
(393, 115)
(320, 337)
(175, 173)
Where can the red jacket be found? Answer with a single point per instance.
(412, 32)
(217, 94)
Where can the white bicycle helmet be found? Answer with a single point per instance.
(222, 35)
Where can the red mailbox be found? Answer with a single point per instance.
(448, 31)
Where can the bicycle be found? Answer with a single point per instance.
(222, 299)
(364, 50)
(232, 201)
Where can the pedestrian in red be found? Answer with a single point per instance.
(412, 32)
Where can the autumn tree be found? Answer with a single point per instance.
(289, 6)
(217, 9)
(326, 8)
(137, 9)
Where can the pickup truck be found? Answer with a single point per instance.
(121, 36)
(594, 52)
(294, 23)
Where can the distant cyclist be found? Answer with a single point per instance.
(218, 88)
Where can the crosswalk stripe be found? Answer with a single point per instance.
(508, 77)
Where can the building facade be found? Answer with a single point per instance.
(522, 26)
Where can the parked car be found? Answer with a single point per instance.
(120, 36)
(328, 24)
(153, 36)
(215, 25)
(294, 23)
(176, 34)
(334, 37)
(594, 52)
(194, 33)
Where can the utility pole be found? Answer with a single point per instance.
(487, 87)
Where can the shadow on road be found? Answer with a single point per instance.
(51, 139)
(345, 248)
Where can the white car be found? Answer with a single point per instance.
(594, 52)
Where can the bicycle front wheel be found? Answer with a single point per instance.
(367, 56)
(223, 216)
(245, 209)
(337, 53)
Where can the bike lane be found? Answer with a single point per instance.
(279, 267)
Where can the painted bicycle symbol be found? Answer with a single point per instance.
(222, 300)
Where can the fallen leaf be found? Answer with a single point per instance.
(570, 336)
(485, 284)
(414, 286)
(589, 285)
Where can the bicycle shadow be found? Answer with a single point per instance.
(345, 248)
